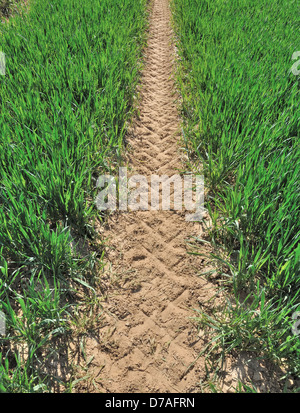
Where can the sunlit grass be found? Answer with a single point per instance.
(240, 107)
(72, 67)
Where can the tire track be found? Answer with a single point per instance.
(147, 342)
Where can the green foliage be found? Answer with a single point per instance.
(7, 7)
(72, 67)
(240, 104)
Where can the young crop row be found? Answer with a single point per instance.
(240, 106)
(72, 67)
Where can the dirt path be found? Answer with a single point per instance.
(147, 341)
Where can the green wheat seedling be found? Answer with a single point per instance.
(67, 96)
(240, 107)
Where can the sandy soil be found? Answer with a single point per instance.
(147, 341)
